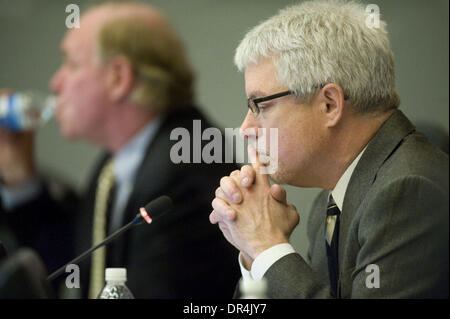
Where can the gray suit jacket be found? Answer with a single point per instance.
(395, 215)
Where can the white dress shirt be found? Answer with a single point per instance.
(126, 164)
(269, 256)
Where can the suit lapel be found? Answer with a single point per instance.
(379, 149)
(151, 168)
(156, 164)
(154, 170)
(141, 192)
(318, 257)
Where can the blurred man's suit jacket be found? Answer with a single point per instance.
(180, 255)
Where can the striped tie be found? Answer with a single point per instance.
(104, 186)
(333, 213)
(332, 243)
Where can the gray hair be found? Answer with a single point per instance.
(320, 42)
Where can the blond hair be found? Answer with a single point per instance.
(165, 78)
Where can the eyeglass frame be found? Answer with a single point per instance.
(275, 96)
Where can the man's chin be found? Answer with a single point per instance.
(278, 177)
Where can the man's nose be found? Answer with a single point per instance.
(249, 127)
(56, 81)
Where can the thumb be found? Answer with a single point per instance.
(257, 165)
(5, 91)
(278, 193)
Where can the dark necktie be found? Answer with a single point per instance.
(332, 243)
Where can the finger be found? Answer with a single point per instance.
(3, 135)
(223, 227)
(223, 210)
(5, 91)
(294, 216)
(278, 193)
(6, 136)
(235, 176)
(257, 166)
(291, 206)
(213, 218)
(221, 194)
(21, 137)
(230, 189)
(235, 173)
(247, 175)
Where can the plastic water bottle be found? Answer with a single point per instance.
(21, 111)
(115, 287)
(253, 288)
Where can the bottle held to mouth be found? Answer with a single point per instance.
(27, 110)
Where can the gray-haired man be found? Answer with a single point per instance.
(325, 80)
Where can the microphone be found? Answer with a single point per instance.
(155, 208)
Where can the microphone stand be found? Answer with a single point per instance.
(136, 221)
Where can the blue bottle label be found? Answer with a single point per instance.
(10, 114)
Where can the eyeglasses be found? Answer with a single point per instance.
(253, 103)
(256, 109)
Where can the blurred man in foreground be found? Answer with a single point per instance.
(125, 84)
(379, 229)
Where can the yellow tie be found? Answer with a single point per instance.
(104, 186)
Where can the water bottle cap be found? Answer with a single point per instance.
(250, 286)
(116, 274)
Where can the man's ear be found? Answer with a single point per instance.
(120, 78)
(332, 103)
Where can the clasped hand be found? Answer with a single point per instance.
(252, 215)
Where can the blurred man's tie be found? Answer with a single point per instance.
(104, 186)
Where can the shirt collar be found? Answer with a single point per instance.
(128, 159)
(339, 190)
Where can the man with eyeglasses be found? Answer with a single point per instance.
(325, 81)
